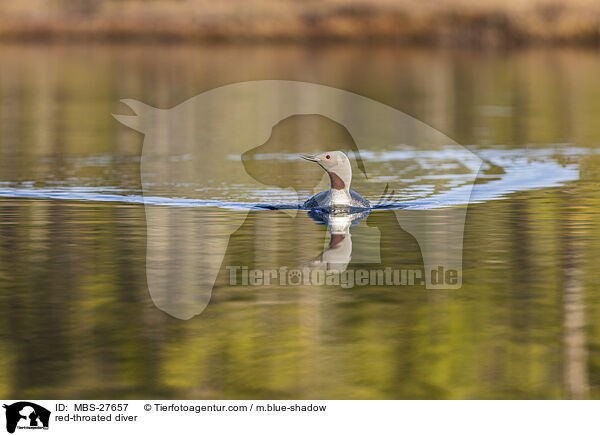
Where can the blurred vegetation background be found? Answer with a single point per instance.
(446, 22)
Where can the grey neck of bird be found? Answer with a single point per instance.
(340, 178)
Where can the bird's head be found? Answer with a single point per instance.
(337, 165)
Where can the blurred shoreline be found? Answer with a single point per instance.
(445, 23)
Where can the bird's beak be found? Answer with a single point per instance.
(309, 157)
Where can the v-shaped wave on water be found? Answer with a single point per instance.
(503, 172)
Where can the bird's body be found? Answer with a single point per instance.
(339, 196)
(329, 201)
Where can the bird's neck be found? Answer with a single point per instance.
(340, 187)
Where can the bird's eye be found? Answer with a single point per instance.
(327, 157)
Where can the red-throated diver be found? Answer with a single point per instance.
(339, 195)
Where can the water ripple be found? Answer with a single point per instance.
(513, 170)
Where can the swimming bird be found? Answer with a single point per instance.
(339, 196)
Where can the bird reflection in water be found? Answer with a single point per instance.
(337, 255)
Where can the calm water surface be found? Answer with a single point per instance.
(76, 318)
